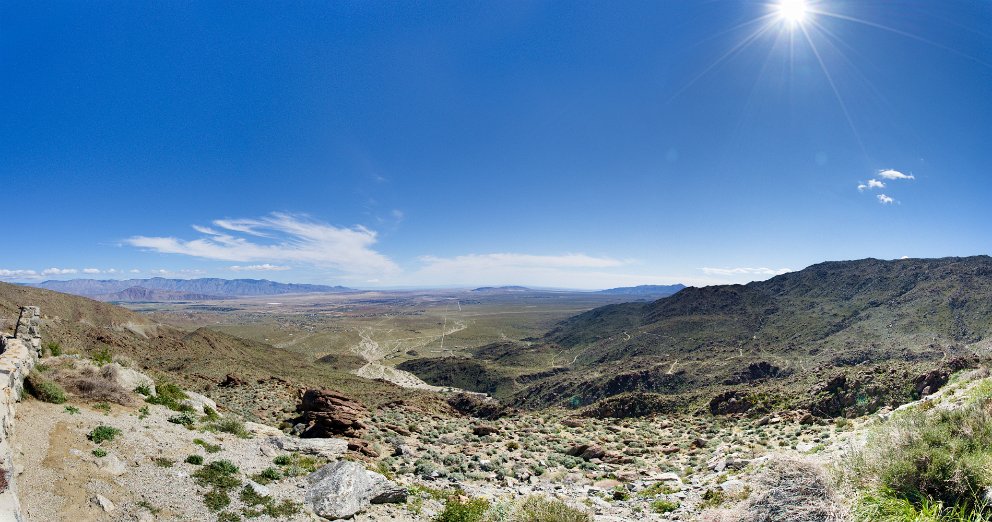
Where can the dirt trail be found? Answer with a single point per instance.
(373, 353)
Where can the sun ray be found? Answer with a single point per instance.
(733, 50)
(901, 33)
(833, 87)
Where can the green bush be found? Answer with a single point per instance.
(455, 510)
(53, 348)
(168, 395)
(104, 356)
(219, 474)
(102, 433)
(208, 447)
(233, 426)
(927, 458)
(45, 390)
(537, 508)
(196, 460)
(100, 453)
(664, 506)
(267, 476)
(216, 499)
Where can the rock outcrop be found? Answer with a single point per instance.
(343, 489)
(326, 413)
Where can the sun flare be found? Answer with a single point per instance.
(792, 12)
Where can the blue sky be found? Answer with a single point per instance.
(558, 144)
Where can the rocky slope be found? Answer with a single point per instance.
(856, 333)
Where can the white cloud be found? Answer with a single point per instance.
(885, 200)
(743, 270)
(59, 271)
(134, 271)
(872, 184)
(14, 274)
(894, 174)
(262, 267)
(91, 270)
(279, 237)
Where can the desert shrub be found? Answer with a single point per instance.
(185, 418)
(932, 459)
(72, 410)
(208, 447)
(538, 508)
(163, 462)
(267, 476)
(196, 460)
(231, 425)
(785, 489)
(102, 433)
(45, 390)
(221, 474)
(103, 356)
(168, 395)
(664, 506)
(210, 413)
(53, 348)
(143, 389)
(456, 510)
(216, 499)
(94, 386)
(99, 453)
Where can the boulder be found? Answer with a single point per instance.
(344, 488)
(482, 431)
(586, 451)
(325, 413)
(130, 379)
(198, 402)
(327, 448)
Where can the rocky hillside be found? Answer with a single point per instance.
(852, 334)
(198, 360)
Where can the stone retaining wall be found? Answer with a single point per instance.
(18, 355)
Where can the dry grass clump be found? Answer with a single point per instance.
(86, 381)
(785, 489)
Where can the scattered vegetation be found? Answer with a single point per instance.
(664, 506)
(538, 508)
(44, 389)
(163, 462)
(231, 425)
(103, 433)
(72, 410)
(168, 395)
(53, 348)
(930, 464)
(99, 453)
(208, 447)
(196, 460)
(458, 510)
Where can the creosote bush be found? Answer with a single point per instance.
(102, 433)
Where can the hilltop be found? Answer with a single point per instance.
(213, 287)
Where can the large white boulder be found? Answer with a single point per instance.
(198, 402)
(345, 488)
(330, 449)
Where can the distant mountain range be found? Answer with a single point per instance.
(162, 289)
(652, 291)
(498, 289)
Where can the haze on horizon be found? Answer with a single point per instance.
(545, 144)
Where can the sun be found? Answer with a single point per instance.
(792, 12)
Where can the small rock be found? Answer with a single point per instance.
(484, 430)
(258, 488)
(111, 465)
(104, 503)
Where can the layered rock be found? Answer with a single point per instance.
(326, 413)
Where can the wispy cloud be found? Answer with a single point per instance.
(17, 274)
(91, 271)
(266, 267)
(885, 200)
(59, 271)
(872, 184)
(743, 270)
(894, 174)
(279, 237)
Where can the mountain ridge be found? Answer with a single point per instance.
(212, 286)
